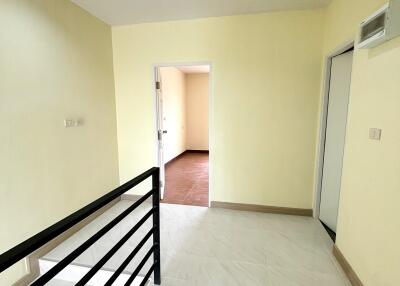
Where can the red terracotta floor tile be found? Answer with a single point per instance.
(186, 180)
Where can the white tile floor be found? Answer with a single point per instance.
(202, 246)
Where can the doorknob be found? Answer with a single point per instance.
(160, 133)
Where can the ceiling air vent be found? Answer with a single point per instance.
(382, 26)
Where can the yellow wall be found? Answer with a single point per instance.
(369, 225)
(174, 111)
(56, 62)
(197, 93)
(265, 93)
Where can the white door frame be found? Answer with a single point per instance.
(159, 128)
(322, 124)
(210, 114)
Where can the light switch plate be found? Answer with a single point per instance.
(375, 133)
(69, 123)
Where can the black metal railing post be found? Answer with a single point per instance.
(25, 248)
(156, 226)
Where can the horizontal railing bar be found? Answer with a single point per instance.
(139, 267)
(129, 258)
(78, 251)
(144, 281)
(25, 248)
(114, 249)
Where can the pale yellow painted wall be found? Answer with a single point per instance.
(174, 111)
(265, 93)
(56, 62)
(369, 225)
(197, 94)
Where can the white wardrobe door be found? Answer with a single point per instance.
(335, 138)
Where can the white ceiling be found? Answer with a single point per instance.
(125, 12)
(194, 69)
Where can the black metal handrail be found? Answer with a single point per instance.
(25, 248)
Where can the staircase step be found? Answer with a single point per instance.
(57, 282)
(73, 273)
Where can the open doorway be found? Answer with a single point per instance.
(182, 96)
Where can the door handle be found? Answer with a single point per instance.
(160, 133)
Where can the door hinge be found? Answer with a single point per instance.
(158, 85)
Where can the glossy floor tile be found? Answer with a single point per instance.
(186, 180)
(203, 246)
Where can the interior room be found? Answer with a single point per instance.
(185, 128)
(200, 142)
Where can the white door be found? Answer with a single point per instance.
(160, 129)
(339, 90)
